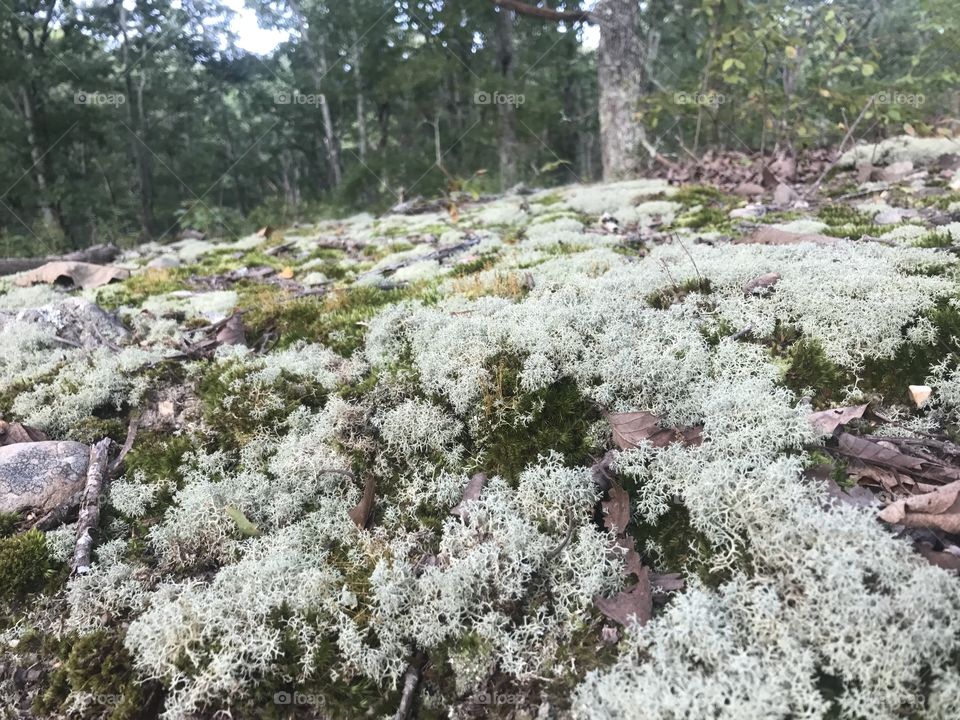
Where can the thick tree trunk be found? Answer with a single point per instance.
(48, 212)
(506, 112)
(620, 81)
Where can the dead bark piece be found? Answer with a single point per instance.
(769, 235)
(883, 452)
(117, 465)
(472, 491)
(668, 582)
(937, 510)
(826, 421)
(89, 517)
(411, 680)
(72, 273)
(616, 509)
(632, 428)
(761, 283)
(631, 606)
(361, 513)
(12, 433)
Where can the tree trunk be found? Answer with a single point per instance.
(137, 120)
(361, 104)
(506, 112)
(620, 81)
(48, 212)
(318, 61)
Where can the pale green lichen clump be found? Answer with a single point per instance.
(240, 571)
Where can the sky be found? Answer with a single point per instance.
(250, 36)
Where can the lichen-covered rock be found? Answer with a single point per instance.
(41, 475)
(75, 320)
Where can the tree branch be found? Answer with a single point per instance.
(545, 13)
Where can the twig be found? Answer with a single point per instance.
(831, 166)
(742, 333)
(90, 506)
(411, 679)
(132, 428)
(571, 525)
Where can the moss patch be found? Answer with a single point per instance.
(24, 562)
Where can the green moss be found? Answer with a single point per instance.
(140, 286)
(478, 264)
(157, 456)
(560, 418)
(680, 545)
(8, 523)
(664, 298)
(24, 562)
(99, 665)
(705, 218)
(91, 429)
(809, 369)
(551, 199)
(933, 240)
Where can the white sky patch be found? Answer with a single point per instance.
(250, 36)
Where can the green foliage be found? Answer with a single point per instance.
(100, 665)
(810, 369)
(24, 561)
(8, 523)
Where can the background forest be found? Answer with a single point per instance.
(125, 121)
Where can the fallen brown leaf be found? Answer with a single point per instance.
(12, 433)
(937, 510)
(472, 491)
(78, 274)
(768, 235)
(361, 513)
(233, 332)
(748, 189)
(826, 421)
(632, 428)
(616, 509)
(940, 558)
(761, 282)
(633, 605)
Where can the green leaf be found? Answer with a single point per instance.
(840, 35)
(246, 528)
(727, 64)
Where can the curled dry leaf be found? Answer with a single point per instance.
(633, 605)
(361, 513)
(937, 510)
(884, 453)
(472, 491)
(760, 283)
(616, 509)
(826, 421)
(768, 235)
(632, 428)
(233, 331)
(69, 272)
(12, 433)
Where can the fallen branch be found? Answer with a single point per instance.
(90, 506)
(132, 428)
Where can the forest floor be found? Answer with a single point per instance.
(641, 449)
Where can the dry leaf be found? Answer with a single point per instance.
(633, 605)
(920, 394)
(616, 509)
(71, 273)
(286, 273)
(768, 235)
(669, 582)
(896, 171)
(937, 510)
(784, 195)
(233, 332)
(748, 189)
(761, 282)
(768, 179)
(940, 558)
(265, 232)
(632, 428)
(13, 433)
(472, 491)
(361, 513)
(826, 421)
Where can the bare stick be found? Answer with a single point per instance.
(132, 428)
(90, 506)
(846, 137)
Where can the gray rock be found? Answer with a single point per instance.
(164, 262)
(76, 321)
(41, 475)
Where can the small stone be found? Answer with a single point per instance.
(41, 475)
(920, 394)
